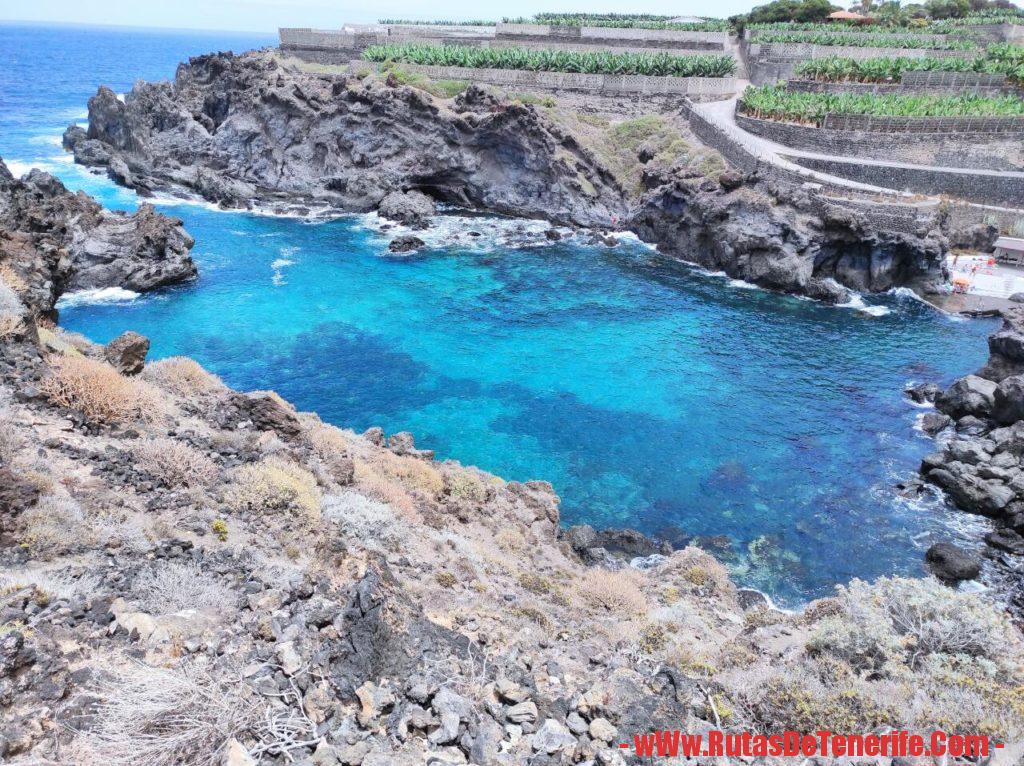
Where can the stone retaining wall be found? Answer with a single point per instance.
(961, 150)
(973, 187)
(605, 84)
(951, 126)
(884, 211)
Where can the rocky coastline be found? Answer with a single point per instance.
(54, 241)
(250, 129)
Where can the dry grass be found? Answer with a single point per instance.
(164, 717)
(696, 571)
(272, 485)
(182, 376)
(175, 463)
(619, 592)
(99, 392)
(363, 520)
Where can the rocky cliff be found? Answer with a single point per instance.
(53, 241)
(249, 129)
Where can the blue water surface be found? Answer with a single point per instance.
(649, 393)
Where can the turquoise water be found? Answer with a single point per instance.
(648, 392)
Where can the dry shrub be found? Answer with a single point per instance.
(174, 463)
(98, 391)
(510, 540)
(53, 526)
(411, 473)
(332, 447)
(614, 591)
(386, 490)
(693, 570)
(12, 279)
(362, 519)
(52, 584)
(173, 587)
(463, 484)
(182, 376)
(164, 717)
(10, 439)
(274, 484)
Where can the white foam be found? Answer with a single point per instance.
(280, 263)
(857, 303)
(96, 296)
(742, 284)
(19, 168)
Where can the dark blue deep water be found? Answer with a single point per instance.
(649, 393)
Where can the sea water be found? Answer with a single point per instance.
(650, 393)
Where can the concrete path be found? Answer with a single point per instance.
(723, 115)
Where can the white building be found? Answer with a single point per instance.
(1010, 250)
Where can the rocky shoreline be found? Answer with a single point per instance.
(249, 129)
(979, 425)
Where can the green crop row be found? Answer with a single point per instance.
(1002, 59)
(775, 102)
(623, 22)
(652, 64)
(870, 40)
(414, 22)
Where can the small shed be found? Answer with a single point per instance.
(1010, 250)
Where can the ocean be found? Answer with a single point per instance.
(650, 393)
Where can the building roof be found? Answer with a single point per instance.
(847, 16)
(1010, 243)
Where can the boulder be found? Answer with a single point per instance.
(127, 353)
(923, 393)
(1006, 540)
(933, 422)
(986, 497)
(405, 244)
(267, 412)
(730, 180)
(950, 562)
(412, 208)
(970, 395)
(1008, 400)
(553, 737)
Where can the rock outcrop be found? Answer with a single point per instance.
(53, 241)
(783, 239)
(246, 129)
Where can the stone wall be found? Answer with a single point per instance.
(882, 210)
(610, 85)
(960, 150)
(339, 47)
(981, 187)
